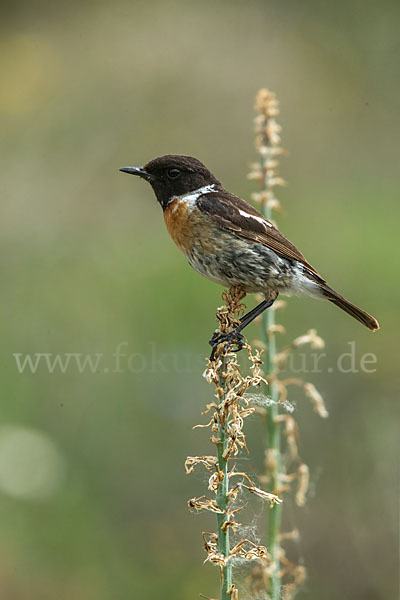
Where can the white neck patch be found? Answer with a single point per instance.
(190, 197)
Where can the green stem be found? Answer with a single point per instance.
(222, 501)
(273, 441)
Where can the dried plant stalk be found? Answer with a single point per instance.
(228, 413)
(267, 141)
(281, 576)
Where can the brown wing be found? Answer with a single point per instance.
(234, 214)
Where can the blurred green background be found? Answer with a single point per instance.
(92, 487)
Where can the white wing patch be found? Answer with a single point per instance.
(259, 219)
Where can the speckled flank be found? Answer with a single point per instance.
(227, 259)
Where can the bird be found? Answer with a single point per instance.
(229, 242)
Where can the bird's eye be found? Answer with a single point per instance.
(173, 173)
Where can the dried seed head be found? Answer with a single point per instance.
(215, 480)
(209, 462)
(303, 476)
(298, 573)
(311, 338)
(292, 434)
(290, 535)
(316, 399)
(248, 550)
(204, 503)
(271, 498)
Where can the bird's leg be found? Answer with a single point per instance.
(235, 336)
(257, 310)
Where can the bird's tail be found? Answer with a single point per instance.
(350, 308)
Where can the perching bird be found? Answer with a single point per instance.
(228, 241)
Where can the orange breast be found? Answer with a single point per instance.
(178, 219)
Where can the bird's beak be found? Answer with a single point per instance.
(136, 171)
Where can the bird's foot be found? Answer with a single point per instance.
(234, 337)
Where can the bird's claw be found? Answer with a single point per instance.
(214, 338)
(234, 337)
